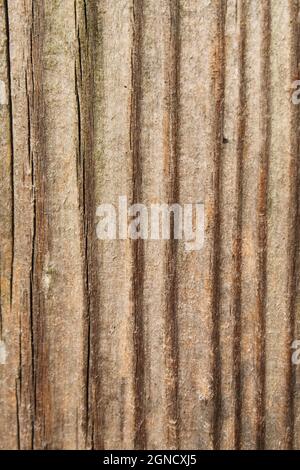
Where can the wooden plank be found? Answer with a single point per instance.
(143, 344)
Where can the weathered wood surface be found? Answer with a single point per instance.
(141, 344)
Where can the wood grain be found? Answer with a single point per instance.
(140, 344)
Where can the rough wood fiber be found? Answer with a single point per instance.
(142, 344)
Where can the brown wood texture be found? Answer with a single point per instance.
(140, 344)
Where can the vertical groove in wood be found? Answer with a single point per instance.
(37, 145)
(219, 93)
(11, 137)
(137, 245)
(87, 34)
(239, 227)
(262, 220)
(171, 162)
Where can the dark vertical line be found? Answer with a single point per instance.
(11, 126)
(294, 235)
(18, 415)
(172, 148)
(30, 104)
(96, 414)
(42, 424)
(80, 96)
(262, 220)
(137, 245)
(20, 371)
(76, 431)
(239, 227)
(85, 14)
(79, 153)
(86, 31)
(219, 95)
(31, 328)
